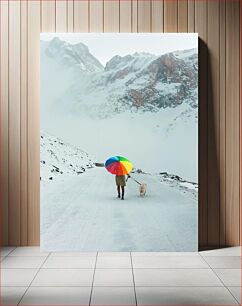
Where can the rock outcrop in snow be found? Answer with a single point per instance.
(60, 159)
(174, 181)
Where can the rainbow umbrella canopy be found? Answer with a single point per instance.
(118, 165)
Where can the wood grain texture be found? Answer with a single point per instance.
(240, 128)
(70, 16)
(24, 123)
(111, 16)
(144, 16)
(126, 16)
(191, 16)
(201, 29)
(96, 16)
(232, 123)
(219, 108)
(157, 16)
(222, 120)
(171, 16)
(33, 123)
(81, 16)
(213, 124)
(183, 16)
(14, 122)
(4, 133)
(61, 16)
(48, 16)
(134, 16)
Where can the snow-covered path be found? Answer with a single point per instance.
(83, 214)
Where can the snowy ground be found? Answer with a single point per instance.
(82, 213)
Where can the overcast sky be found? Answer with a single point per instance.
(105, 45)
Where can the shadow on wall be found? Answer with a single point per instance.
(210, 225)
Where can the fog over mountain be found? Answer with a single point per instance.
(133, 100)
(139, 81)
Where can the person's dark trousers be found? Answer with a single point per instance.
(118, 188)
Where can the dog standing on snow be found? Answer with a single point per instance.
(142, 189)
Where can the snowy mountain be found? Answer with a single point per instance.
(136, 82)
(149, 103)
(70, 55)
(59, 159)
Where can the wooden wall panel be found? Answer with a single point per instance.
(96, 16)
(81, 16)
(232, 122)
(222, 120)
(219, 119)
(111, 16)
(48, 16)
(171, 15)
(33, 123)
(24, 123)
(61, 16)
(70, 16)
(4, 135)
(14, 121)
(182, 16)
(144, 16)
(125, 22)
(201, 29)
(134, 16)
(213, 123)
(157, 20)
(191, 16)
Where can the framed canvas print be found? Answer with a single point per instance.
(119, 142)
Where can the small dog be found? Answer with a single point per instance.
(142, 189)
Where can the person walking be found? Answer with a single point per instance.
(120, 183)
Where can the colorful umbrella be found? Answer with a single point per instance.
(118, 165)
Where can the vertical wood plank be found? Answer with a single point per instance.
(232, 122)
(70, 16)
(182, 16)
(213, 124)
(191, 16)
(96, 16)
(144, 16)
(111, 16)
(201, 29)
(157, 14)
(33, 123)
(14, 122)
(4, 141)
(23, 124)
(240, 148)
(171, 15)
(48, 16)
(134, 19)
(61, 16)
(222, 142)
(125, 16)
(81, 16)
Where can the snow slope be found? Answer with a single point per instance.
(82, 213)
(59, 159)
